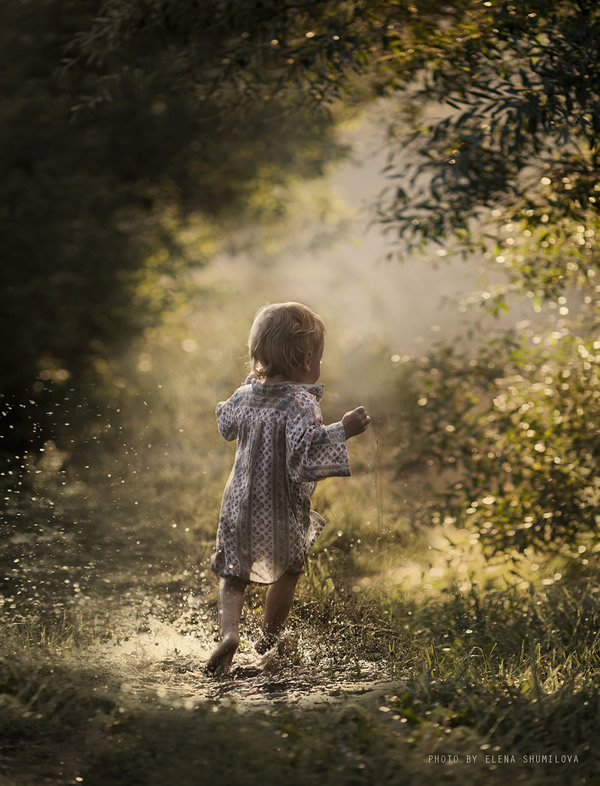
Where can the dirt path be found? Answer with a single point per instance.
(164, 664)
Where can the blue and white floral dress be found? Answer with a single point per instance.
(266, 526)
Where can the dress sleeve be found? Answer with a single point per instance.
(315, 451)
(226, 419)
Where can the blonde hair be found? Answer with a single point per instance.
(281, 338)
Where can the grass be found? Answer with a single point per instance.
(498, 672)
(469, 698)
(414, 652)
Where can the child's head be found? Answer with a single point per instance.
(284, 337)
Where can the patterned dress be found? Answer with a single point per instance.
(266, 526)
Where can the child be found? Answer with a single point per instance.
(266, 526)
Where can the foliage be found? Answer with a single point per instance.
(137, 119)
(509, 425)
(502, 100)
(308, 52)
(504, 142)
(106, 157)
(134, 116)
(517, 139)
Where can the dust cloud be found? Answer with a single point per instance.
(368, 301)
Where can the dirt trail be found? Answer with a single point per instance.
(164, 664)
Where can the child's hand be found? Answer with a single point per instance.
(355, 422)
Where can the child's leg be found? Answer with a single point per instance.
(231, 599)
(278, 603)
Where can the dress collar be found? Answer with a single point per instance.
(277, 388)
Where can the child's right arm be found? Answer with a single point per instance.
(227, 412)
(226, 420)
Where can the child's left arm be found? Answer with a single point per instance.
(315, 451)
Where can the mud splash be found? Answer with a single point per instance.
(163, 662)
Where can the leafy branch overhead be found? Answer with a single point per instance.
(111, 140)
(498, 103)
(122, 119)
(507, 140)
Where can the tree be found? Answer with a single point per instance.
(123, 119)
(511, 166)
(140, 114)
(514, 148)
(106, 153)
(510, 169)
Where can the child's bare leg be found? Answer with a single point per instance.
(278, 603)
(231, 599)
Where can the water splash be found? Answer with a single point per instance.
(163, 662)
